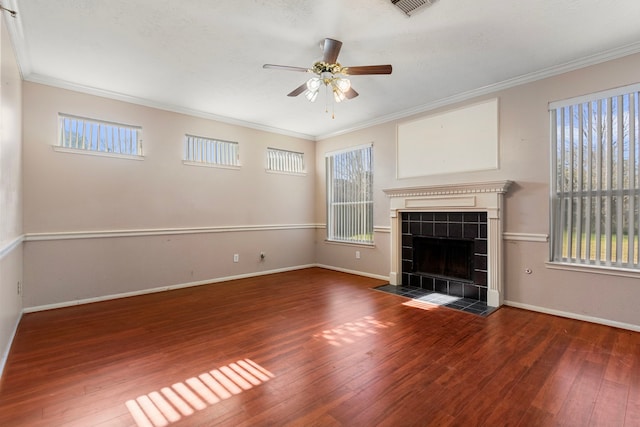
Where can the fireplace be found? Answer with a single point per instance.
(465, 215)
(445, 252)
(443, 257)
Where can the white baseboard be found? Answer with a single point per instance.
(574, 316)
(357, 273)
(160, 289)
(190, 284)
(5, 354)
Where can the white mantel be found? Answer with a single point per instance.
(473, 197)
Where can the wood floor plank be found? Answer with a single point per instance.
(313, 347)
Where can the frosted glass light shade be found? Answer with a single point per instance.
(311, 95)
(343, 84)
(313, 84)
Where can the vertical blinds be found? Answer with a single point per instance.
(79, 133)
(350, 195)
(285, 161)
(595, 186)
(211, 151)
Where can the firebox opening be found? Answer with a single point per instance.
(443, 257)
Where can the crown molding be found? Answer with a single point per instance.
(15, 29)
(63, 84)
(605, 56)
(16, 35)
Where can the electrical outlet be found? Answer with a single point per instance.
(19, 288)
(357, 254)
(236, 257)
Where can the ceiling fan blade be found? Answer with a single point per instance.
(368, 69)
(297, 91)
(351, 93)
(285, 67)
(331, 50)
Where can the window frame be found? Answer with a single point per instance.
(292, 158)
(367, 221)
(111, 127)
(595, 146)
(206, 154)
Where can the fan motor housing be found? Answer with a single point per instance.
(411, 6)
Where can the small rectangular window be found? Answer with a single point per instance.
(201, 151)
(285, 161)
(85, 135)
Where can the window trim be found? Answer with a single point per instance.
(97, 153)
(267, 169)
(187, 162)
(328, 178)
(609, 266)
(70, 150)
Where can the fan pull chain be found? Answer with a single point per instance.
(326, 99)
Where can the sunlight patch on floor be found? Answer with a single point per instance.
(420, 304)
(349, 332)
(171, 404)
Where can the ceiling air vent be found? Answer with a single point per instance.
(411, 6)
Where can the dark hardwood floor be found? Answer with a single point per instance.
(313, 348)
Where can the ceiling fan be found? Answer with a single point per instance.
(331, 74)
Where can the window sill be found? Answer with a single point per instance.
(360, 245)
(594, 269)
(285, 172)
(96, 153)
(210, 165)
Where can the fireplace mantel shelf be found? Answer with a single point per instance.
(446, 189)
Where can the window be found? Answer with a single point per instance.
(285, 161)
(78, 134)
(350, 195)
(202, 151)
(594, 194)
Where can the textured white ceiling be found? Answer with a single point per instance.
(206, 57)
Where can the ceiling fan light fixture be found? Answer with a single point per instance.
(330, 74)
(313, 84)
(311, 95)
(343, 84)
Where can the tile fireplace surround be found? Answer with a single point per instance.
(459, 198)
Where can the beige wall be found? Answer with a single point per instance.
(127, 212)
(10, 194)
(524, 158)
(98, 226)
